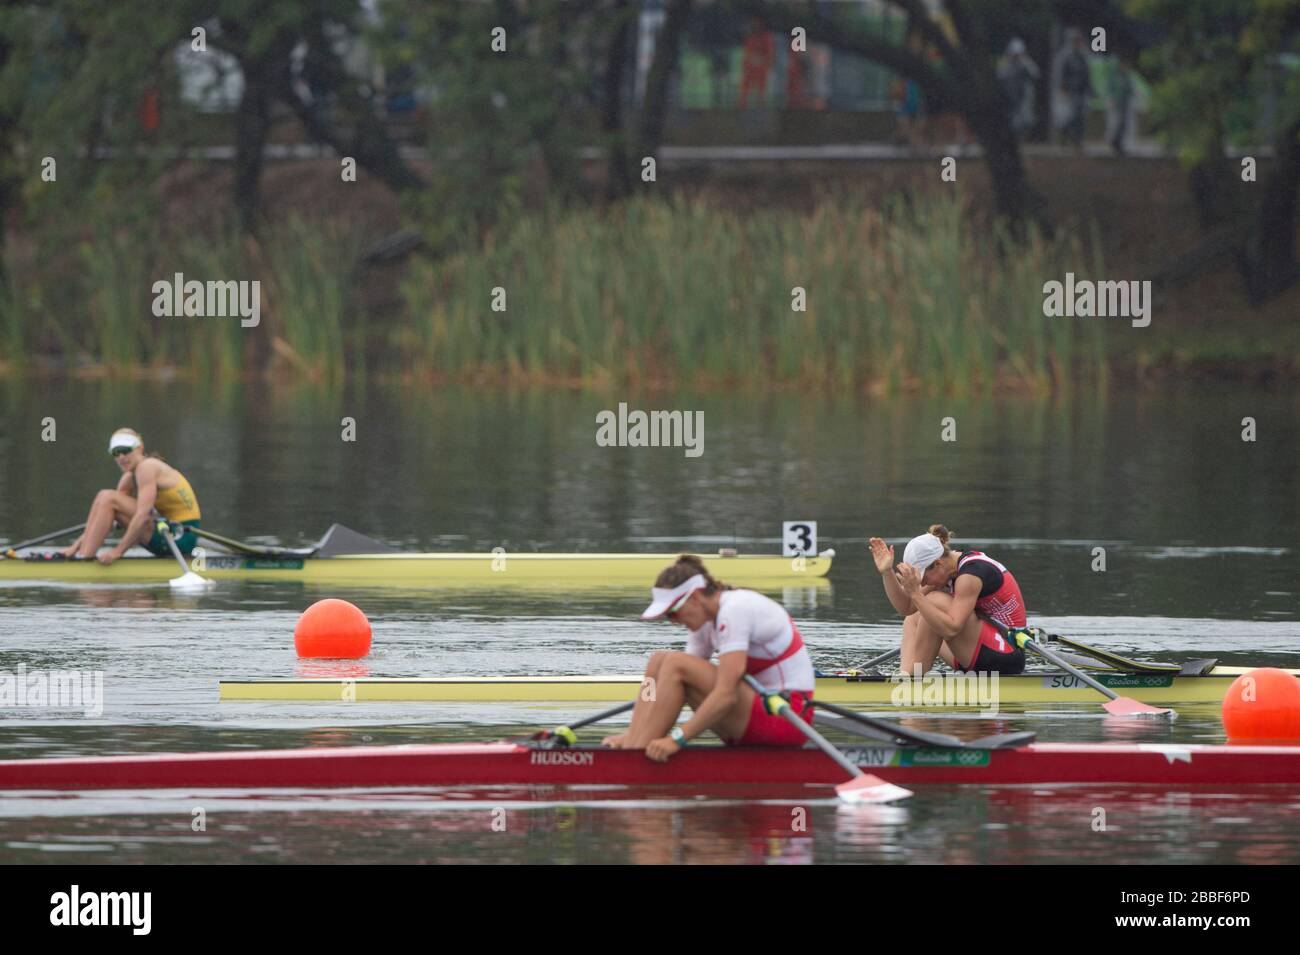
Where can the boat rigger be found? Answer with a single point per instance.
(976, 690)
(1169, 766)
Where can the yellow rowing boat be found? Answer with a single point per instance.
(421, 570)
(345, 557)
(979, 691)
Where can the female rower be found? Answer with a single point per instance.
(750, 633)
(148, 483)
(943, 595)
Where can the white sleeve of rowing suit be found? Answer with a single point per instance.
(698, 643)
(735, 623)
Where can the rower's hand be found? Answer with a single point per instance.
(909, 580)
(109, 556)
(882, 554)
(661, 749)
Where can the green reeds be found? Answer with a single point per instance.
(911, 296)
(308, 271)
(96, 303)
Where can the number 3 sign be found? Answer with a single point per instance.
(799, 538)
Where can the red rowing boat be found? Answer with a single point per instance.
(490, 764)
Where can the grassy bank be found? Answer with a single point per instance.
(902, 294)
(85, 303)
(913, 296)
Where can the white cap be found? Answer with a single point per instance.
(1016, 46)
(923, 551)
(664, 600)
(123, 439)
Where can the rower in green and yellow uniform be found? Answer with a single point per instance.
(148, 483)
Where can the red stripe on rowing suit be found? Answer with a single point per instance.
(756, 665)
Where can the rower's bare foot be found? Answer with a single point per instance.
(614, 742)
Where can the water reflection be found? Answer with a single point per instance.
(948, 826)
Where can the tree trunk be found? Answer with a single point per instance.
(6, 185)
(618, 183)
(1013, 195)
(252, 127)
(654, 111)
(1273, 267)
(967, 86)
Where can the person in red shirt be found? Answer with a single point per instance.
(947, 599)
(756, 61)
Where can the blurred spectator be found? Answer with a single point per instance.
(715, 32)
(796, 96)
(820, 54)
(719, 75)
(151, 110)
(1018, 73)
(1076, 84)
(1120, 93)
(756, 62)
(906, 96)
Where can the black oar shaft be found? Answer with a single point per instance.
(230, 542)
(1028, 642)
(1053, 657)
(876, 661)
(53, 535)
(585, 721)
(920, 737)
(612, 711)
(787, 711)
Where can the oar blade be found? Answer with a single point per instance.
(190, 581)
(867, 789)
(1127, 706)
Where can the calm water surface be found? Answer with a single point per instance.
(1199, 531)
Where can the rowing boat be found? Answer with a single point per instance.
(436, 569)
(1208, 685)
(346, 557)
(503, 764)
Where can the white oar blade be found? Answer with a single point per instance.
(190, 581)
(1126, 706)
(870, 789)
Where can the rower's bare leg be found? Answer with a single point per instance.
(681, 676)
(646, 694)
(920, 646)
(108, 507)
(734, 724)
(960, 647)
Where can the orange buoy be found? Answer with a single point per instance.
(334, 629)
(1263, 705)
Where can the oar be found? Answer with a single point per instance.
(258, 550)
(847, 724)
(1116, 705)
(564, 735)
(888, 730)
(885, 657)
(188, 580)
(12, 550)
(1114, 660)
(861, 787)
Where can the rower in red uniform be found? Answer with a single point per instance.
(943, 595)
(750, 633)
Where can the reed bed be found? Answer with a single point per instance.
(912, 296)
(93, 305)
(917, 295)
